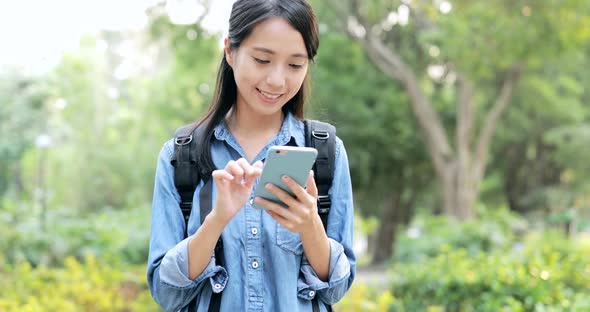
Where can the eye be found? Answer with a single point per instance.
(296, 66)
(259, 61)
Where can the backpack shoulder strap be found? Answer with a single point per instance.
(186, 173)
(322, 136)
(186, 178)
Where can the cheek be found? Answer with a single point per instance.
(247, 76)
(297, 81)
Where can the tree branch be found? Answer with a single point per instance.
(491, 123)
(386, 60)
(391, 63)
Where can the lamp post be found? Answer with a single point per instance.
(43, 142)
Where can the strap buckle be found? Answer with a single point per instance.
(324, 203)
(320, 135)
(186, 208)
(183, 140)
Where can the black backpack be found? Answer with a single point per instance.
(319, 135)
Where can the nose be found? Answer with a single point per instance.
(276, 78)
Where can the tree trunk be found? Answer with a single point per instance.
(459, 191)
(395, 212)
(385, 235)
(514, 187)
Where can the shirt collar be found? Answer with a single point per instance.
(221, 131)
(292, 127)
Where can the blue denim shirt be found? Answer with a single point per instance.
(265, 266)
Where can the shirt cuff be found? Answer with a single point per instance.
(174, 270)
(309, 282)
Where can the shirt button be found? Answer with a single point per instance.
(255, 264)
(311, 293)
(217, 286)
(254, 231)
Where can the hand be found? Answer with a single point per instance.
(302, 212)
(234, 185)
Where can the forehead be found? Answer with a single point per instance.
(278, 35)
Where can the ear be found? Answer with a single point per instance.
(229, 58)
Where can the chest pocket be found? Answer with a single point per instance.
(288, 240)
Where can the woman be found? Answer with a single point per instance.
(278, 259)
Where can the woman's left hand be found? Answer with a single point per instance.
(302, 212)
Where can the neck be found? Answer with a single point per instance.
(246, 122)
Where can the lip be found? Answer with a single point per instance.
(268, 100)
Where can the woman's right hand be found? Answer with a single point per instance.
(234, 184)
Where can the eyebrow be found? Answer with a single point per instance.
(265, 50)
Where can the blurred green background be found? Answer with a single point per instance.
(467, 125)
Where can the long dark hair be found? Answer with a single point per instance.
(245, 15)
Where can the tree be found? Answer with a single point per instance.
(482, 49)
(23, 98)
(549, 98)
(389, 166)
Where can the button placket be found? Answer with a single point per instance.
(253, 231)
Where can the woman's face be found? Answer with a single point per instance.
(269, 66)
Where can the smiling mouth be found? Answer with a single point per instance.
(269, 95)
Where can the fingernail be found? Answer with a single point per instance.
(268, 186)
(285, 178)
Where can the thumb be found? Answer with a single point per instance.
(311, 188)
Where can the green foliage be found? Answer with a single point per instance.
(361, 297)
(119, 108)
(533, 140)
(22, 106)
(185, 86)
(455, 267)
(114, 236)
(569, 201)
(480, 37)
(90, 285)
(549, 273)
(570, 143)
(492, 230)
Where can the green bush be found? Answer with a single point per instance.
(549, 273)
(114, 236)
(491, 231)
(88, 286)
(362, 297)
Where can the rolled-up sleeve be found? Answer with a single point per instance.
(340, 233)
(167, 271)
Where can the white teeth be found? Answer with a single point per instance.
(268, 95)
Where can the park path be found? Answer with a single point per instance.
(373, 276)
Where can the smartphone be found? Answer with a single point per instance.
(292, 161)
